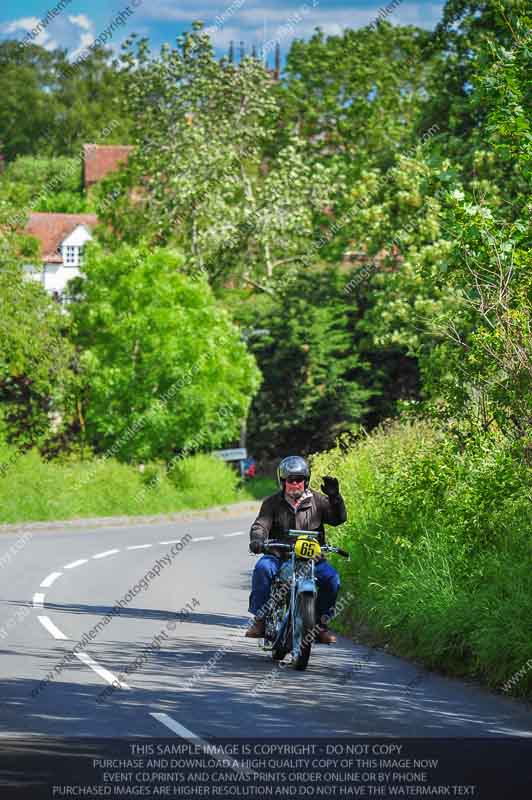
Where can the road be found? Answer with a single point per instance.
(201, 677)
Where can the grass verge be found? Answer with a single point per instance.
(440, 551)
(34, 490)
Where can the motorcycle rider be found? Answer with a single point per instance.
(296, 507)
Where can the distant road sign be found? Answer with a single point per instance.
(233, 454)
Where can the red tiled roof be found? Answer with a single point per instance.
(100, 159)
(51, 229)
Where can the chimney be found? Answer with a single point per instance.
(277, 69)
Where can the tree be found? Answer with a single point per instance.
(356, 95)
(164, 362)
(35, 354)
(70, 104)
(201, 132)
(313, 377)
(458, 298)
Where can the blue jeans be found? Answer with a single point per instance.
(267, 568)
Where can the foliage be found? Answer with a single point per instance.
(440, 549)
(202, 129)
(164, 363)
(95, 488)
(35, 354)
(70, 105)
(356, 95)
(312, 373)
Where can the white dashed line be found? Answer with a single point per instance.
(51, 628)
(53, 576)
(237, 533)
(38, 600)
(138, 546)
(192, 737)
(203, 539)
(106, 553)
(172, 541)
(76, 563)
(101, 671)
(176, 727)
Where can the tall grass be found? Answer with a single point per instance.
(441, 550)
(34, 490)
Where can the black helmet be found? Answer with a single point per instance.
(290, 467)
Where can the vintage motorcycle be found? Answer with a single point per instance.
(290, 619)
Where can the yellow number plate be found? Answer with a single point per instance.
(306, 548)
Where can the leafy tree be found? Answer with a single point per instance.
(202, 128)
(465, 43)
(357, 95)
(164, 362)
(35, 354)
(27, 76)
(457, 297)
(70, 104)
(302, 339)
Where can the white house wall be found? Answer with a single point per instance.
(54, 277)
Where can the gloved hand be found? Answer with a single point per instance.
(256, 546)
(330, 486)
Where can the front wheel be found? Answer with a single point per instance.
(304, 622)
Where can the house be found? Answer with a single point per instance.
(62, 238)
(101, 159)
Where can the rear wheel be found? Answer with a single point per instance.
(304, 621)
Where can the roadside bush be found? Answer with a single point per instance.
(204, 476)
(441, 549)
(32, 489)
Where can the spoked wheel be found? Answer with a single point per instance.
(282, 647)
(304, 621)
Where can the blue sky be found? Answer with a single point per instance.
(253, 21)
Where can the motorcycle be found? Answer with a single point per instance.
(290, 619)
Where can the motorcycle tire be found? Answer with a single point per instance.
(305, 620)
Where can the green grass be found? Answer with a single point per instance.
(441, 551)
(34, 490)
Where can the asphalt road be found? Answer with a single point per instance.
(201, 677)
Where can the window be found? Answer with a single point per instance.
(71, 257)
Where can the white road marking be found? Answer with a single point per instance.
(138, 546)
(176, 727)
(172, 541)
(51, 628)
(101, 671)
(192, 737)
(237, 533)
(53, 576)
(203, 539)
(76, 563)
(38, 599)
(106, 553)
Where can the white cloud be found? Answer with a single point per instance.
(270, 21)
(22, 24)
(82, 21)
(28, 24)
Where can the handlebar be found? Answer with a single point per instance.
(326, 548)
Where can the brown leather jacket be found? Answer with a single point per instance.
(276, 516)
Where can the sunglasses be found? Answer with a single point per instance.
(296, 479)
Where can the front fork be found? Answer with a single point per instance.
(300, 585)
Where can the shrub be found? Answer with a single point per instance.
(440, 544)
